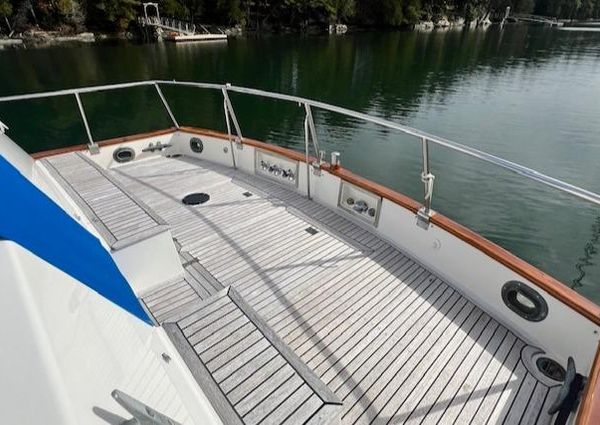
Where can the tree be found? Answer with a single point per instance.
(230, 10)
(6, 11)
(174, 8)
(339, 10)
(117, 14)
(381, 12)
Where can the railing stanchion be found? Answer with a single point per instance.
(424, 214)
(92, 146)
(229, 117)
(307, 155)
(231, 114)
(313, 131)
(166, 105)
(229, 136)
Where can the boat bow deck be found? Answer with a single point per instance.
(393, 341)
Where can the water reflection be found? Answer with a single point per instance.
(528, 94)
(590, 250)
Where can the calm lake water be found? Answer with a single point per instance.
(528, 94)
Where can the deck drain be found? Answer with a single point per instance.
(550, 368)
(311, 230)
(195, 198)
(247, 194)
(543, 368)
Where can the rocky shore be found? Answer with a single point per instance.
(42, 38)
(447, 23)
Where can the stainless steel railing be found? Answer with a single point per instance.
(311, 135)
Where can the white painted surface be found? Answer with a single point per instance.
(16, 156)
(327, 189)
(25, 353)
(215, 150)
(149, 262)
(70, 347)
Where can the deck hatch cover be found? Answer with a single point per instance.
(195, 198)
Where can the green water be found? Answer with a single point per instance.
(528, 94)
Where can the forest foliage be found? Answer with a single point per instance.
(118, 15)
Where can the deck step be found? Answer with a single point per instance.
(174, 300)
(120, 217)
(248, 373)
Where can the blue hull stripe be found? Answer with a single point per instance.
(31, 219)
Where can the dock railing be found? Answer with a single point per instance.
(311, 141)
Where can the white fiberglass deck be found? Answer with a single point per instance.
(390, 339)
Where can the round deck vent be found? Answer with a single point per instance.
(195, 198)
(524, 301)
(196, 145)
(550, 368)
(122, 155)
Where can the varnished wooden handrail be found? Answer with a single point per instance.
(589, 410)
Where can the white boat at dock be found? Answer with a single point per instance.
(188, 276)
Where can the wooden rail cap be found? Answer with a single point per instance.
(589, 410)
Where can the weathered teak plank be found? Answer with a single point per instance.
(119, 217)
(273, 391)
(171, 301)
(394, 342)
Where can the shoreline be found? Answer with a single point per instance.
(40, 38)
(52, 38)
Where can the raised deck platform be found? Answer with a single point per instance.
(120, 218)
(393, 341)
(248, 372)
